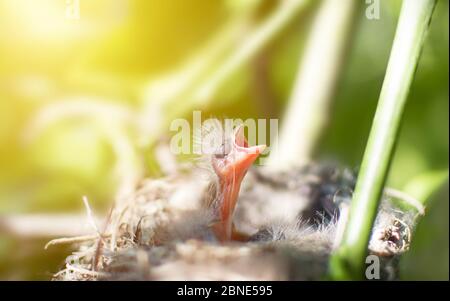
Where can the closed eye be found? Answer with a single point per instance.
(222, 151)
(219, 156)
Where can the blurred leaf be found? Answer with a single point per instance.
(424, 185)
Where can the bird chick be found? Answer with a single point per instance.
(230, 164)
(289, 223)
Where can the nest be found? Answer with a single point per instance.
(292, 220)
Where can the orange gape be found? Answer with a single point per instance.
(231, 169)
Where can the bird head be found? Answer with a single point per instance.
(230, 163)
(235, 156)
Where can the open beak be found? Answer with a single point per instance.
(231, 171)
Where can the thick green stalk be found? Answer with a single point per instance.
(349, 259)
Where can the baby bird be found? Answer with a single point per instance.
(230, 165)
(236, 222)
(194, 204)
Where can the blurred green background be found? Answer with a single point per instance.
(129, 53)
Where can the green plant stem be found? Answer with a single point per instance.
(349, 259)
